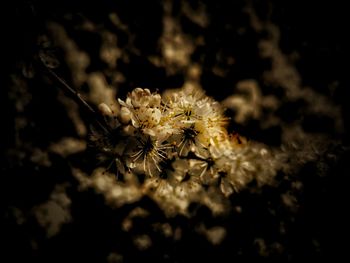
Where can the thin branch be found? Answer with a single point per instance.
(76, 96)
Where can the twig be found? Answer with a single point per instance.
(76, 96)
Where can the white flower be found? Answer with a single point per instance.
(206, 170)
(187, 140)
(143, 98)
(183, 107)
(181, 146)
(145, 153)
(143, 109)
(185, 185)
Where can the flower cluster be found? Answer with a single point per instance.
(179, 146)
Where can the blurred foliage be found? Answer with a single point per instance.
(276, 67)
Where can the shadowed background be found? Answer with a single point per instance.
(291, 51)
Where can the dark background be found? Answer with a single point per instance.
(315, 230)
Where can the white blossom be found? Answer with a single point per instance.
(181, 148)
